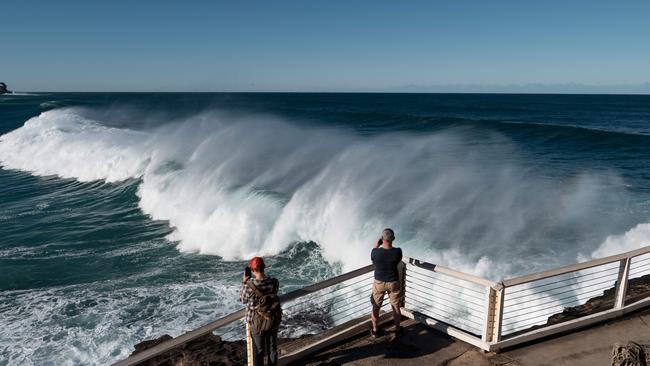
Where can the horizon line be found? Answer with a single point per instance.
(326, 92)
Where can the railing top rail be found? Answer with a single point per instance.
(182, 339)
(450, 272)
(574, 267)
(232, 317)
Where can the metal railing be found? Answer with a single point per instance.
(484, 313)
(309, 310)
(494, 315)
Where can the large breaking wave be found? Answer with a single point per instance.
(235, 186)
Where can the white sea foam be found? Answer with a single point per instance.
(237, 186)
(93, 324)
(63, 143)
(635, 238)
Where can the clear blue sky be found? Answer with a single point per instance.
(117, 45)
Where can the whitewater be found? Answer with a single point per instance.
(495, 198)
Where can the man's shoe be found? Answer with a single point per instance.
(375, 334)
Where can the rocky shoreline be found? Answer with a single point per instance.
(209, 350)
(637, 289)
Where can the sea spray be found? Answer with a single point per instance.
(236, 186)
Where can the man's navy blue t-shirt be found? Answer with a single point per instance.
(385, 261)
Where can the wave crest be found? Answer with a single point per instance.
(235, 186)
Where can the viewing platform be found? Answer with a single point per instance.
(455, 318)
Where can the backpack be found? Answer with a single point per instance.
(268, 314)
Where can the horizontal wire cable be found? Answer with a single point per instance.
(346, 306)
(556, 300)
(635, 260)
(430, 288)
(578, 299)
(636, 268)
(451, 312)
(350, 304)
(454, 281)
(458, 324)
(325, 301)
(462, 323)
(352, 311)
(549, 311)
(440, 305)
(641, 264)
(422, 301)
(428, 281)
(563, 292)
(559, 287)
(357, 309)
(360, 311)
(479, 307)
(314, 296)
(558, 281)
(436, 297)
(440, 277)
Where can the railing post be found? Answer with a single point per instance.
(493, 314)
(621, 285)
(488, 321)
(498, 312)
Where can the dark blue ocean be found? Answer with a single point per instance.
(127, 216)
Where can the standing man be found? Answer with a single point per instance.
(385, 257)
(263, 312)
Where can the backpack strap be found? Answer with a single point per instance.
(255, 289)
(259, 293)
(276, 285)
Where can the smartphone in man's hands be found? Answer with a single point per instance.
(248, 272)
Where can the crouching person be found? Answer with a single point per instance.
(263, 311)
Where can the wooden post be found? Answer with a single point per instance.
(488, 321)
(493, 314)
(249, 346)
(621, 286)
(498, 312)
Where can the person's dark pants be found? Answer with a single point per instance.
(266, 343)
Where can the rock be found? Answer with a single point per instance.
(3, 89)
(630, 354)
(208, 350)
(637, 289)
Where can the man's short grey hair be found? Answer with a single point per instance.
(388, 235)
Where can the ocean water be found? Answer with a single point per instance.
(127, 216)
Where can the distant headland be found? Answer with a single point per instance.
(3, 89)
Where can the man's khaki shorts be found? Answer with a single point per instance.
(378, 290)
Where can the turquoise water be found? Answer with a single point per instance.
(127, 216)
